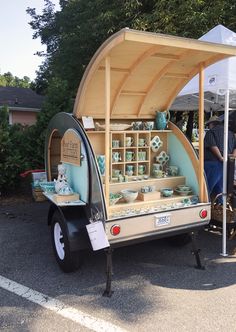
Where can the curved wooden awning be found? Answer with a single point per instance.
(147, 71)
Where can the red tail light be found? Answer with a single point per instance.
(115, 230)
(203, 213)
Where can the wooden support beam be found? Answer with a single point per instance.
(177, 75)
(133, 93)
(201, 134)
(122, 70)
(166, 56)
(107, 124)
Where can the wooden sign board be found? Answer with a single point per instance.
(70, 148)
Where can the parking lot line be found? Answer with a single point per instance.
(84, 319)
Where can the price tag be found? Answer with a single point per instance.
(162, 219)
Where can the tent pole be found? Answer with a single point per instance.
(225, 160)
(201, 133)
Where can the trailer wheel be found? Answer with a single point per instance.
(68, 261)
(180, 240)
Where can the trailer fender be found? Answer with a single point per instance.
(75, 220)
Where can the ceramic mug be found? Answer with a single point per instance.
(141, 142)
(142, 155)
(116, 173)
(148, 125)
(137, 125)
(129, 141)
(141, 169)
(172, 170)
(129, 155)
(158, 173)
(157, 167)
(116, 156)
(115, 143)
(129, 170)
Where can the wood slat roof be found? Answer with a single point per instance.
(147, 72)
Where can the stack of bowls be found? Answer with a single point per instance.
(183, 190)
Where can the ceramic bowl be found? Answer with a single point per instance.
(114, 198)
(183, 187)
(48, 187)
(167, 192)
(129, 195)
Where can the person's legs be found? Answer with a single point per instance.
(214, 174)
(211, 171)
(218, 188)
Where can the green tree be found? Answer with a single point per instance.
(8, 79)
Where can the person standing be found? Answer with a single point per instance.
(213, 155)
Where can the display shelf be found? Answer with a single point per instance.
(52, 198)
(136, 145)
(161, 200)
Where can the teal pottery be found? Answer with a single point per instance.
(101, 163)
(162, 119)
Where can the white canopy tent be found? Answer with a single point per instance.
(220, 85)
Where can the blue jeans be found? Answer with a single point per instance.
(214, 175)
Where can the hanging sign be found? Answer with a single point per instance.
(70, 148)
(97, 235)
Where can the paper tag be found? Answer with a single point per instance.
(97, 235)
(88, 122)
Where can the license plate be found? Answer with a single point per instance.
(162, 219)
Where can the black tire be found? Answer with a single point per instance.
(180, 240)
(67, 260)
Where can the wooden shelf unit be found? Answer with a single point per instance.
(140, 148)
(140, 143)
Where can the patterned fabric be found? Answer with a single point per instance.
(215, 137)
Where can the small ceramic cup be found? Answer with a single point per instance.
(116, 156)
(129, 141)
(142, 155)
(148, 125)
(141, 142)
(129, 155)
(141, 169)
(144, 189)
(137, 125)
(129, 170)
(115, 143)
(172, 170)
(116, 173)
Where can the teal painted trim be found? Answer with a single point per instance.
(180, 158)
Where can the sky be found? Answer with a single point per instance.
(17, 46)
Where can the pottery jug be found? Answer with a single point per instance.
(162, 119)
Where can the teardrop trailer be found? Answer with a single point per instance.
(131, 76)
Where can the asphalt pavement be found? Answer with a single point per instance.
(156, 287)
